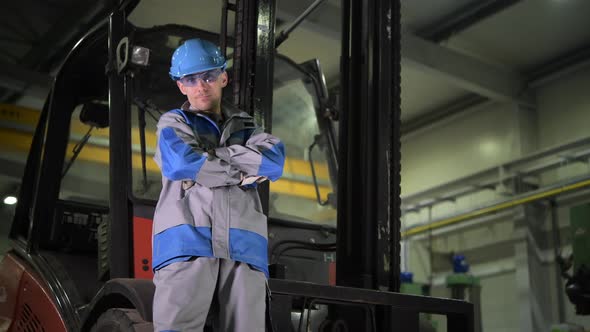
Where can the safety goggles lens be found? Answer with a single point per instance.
(207, 77)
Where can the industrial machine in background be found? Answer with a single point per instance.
(408, 286)
(577, 285)
(83, 263)
(465, 286)
(461, 284)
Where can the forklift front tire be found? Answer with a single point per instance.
(121, 320)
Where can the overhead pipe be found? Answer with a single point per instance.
(509, 166)
(523, 199)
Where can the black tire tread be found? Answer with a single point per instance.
(120, 320)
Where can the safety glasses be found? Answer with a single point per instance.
(209, 76)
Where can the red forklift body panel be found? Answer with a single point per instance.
(28, 305)
(142, 248)
(11, 272)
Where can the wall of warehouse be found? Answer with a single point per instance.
(472, 141)
(477, 139)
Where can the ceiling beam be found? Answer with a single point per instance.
(562, 65)
(463, 18)
(65, 32)
(58, 39)
(464, 71)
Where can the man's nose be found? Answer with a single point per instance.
(201, 85)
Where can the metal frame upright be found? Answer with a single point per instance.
(253, 63)
(369, 159)
(368, 234)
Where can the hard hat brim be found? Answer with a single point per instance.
(195, 70)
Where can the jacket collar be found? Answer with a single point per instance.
(228, 111)
(219, 119)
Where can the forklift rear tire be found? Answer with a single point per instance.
(121, 320)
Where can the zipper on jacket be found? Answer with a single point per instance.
(211, 122)
(224, 126)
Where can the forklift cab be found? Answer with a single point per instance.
(90, 186)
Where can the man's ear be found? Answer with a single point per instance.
(181, 87)
(224, 79)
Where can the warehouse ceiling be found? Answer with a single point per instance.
(456, 53)
(517, 41)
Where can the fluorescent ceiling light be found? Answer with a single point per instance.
(10, 200)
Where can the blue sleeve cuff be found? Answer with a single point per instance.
(272, 162)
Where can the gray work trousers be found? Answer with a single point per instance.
(185, 291)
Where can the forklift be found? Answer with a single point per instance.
(83, 263)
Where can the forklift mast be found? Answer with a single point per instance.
(83, 265)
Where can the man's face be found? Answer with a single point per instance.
(203, 90)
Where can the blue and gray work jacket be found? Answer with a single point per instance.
(205, 206)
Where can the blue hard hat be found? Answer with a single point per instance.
(195, 56)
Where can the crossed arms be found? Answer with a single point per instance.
(180, 156)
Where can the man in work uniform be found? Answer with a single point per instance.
(209, 234)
